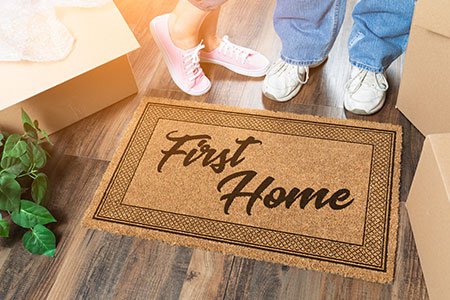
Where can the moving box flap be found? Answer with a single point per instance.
(433, 15)
(101, 35)
(440, 143)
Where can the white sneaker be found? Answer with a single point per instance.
(283, 81)
(365, 92)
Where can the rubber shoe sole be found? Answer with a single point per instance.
(362, 112)
(237, 69)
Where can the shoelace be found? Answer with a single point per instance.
(191, 61)
(371, 79)
(234, 51)
(281, 66)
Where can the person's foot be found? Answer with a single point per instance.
(184, 65)
(238, 59)
(283, 81)
(365, 92)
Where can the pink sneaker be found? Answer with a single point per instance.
(238, 59)
(184, 65)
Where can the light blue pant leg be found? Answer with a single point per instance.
(380, 32)
(308, 28)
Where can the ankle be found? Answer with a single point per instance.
(180, 35)
(211, 43)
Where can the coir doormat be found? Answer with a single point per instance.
(311, 192)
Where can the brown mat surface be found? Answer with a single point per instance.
(305, 191)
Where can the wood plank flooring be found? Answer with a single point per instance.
(90, 264)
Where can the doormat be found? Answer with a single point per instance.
(304, 191)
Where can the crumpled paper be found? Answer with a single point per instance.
(31, 31)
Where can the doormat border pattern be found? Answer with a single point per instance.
(106, 211)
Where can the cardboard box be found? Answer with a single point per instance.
(95, 75)
(428, 207)
(424, 96)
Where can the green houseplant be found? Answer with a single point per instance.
(23, 187)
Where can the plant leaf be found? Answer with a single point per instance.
(12, 165)
(26, 118)
(31, 214)
(10, 191)
(36, 125)
(40, 240)
(4, 227)
(39, 187)
(35, 156)
(14, 146)
(27, 157)
(45, 135)
(31, 131)
(1, 139)
(39, 155)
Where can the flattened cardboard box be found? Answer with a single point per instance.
(424, 96)
(429, 212)
(95, 75)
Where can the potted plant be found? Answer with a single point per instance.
(23, 187)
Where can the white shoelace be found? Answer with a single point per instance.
(370, 79)
(301, 73)
(191, 61)
(234, 51)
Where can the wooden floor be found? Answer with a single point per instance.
(90, 264)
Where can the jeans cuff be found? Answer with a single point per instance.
(301, 62)
(367, 67)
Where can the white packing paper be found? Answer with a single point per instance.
(31, 31)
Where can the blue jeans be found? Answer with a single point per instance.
(308, 29)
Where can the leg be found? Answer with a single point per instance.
(184, 24)
(380, 33)
(208, 30)
(176, 35)
(308, 28)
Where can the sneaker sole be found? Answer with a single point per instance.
(238, 70)
(172, 72)
(361, 112)
(291, 95)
